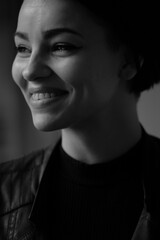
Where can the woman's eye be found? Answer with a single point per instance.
(22, 50)
(64, 49)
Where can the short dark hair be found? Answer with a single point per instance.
(134, 23)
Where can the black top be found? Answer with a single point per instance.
(40, 201)
(99, 201)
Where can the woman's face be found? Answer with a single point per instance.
(64, 67)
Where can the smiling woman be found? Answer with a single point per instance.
(41, 56)
(81, 72)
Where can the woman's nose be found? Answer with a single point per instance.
(36, 69)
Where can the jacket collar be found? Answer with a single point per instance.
(45, 188)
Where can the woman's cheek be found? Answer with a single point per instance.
(17, 69)
(71, 70)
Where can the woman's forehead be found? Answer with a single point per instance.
(48, 14)
(34, 2)
(44, 10)
(51, 7)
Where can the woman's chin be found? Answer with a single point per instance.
(44, 123)
(49, 122)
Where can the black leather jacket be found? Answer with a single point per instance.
(20, 186)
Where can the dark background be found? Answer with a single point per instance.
(17, 134)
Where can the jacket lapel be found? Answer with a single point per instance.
(142, 229)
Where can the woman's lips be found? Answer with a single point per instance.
(43, 97)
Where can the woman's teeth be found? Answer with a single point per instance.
(40, 96)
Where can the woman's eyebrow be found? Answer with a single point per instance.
(49, 33)
(21, 35)
(57, 31)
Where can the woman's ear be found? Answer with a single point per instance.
(128, 71)
(130, 67)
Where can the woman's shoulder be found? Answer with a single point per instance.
(151, 156)
(152, 148)
(151, 164)
(20, 178)
(26, 162)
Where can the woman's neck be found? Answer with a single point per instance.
(107, 137)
